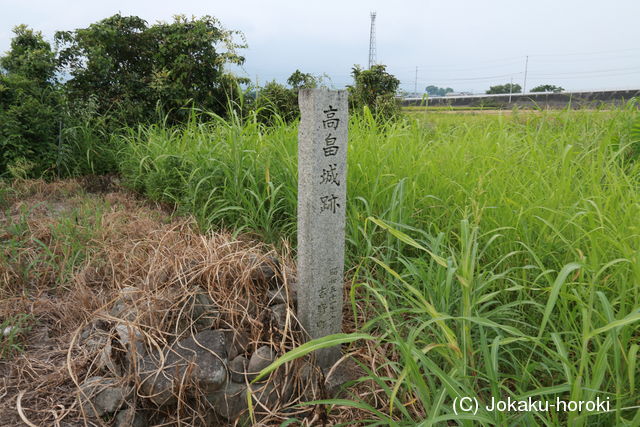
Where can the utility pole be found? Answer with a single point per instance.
(526, 66)
(510, 89)
(415, 86)
(372, 41)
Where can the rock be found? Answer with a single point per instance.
(204, 312)
(99, 396)
(237, 343)
(279, 295)
(124, 306)
(198, 360)
(348, 370)
(310, 377)
(237, 369)
(131, 339)
(279, 315)
(106, 361)
(130, 418)
(267, 269)
(260, 359)
(231, 401)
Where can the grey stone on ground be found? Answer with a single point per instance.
(124, 307)
(130, 418)
(237, 369)
(267, 269)
(260, 359)
(99, 396)
(105, 360)
(279, 312)
(278, 295)
(204, 311)
(237, 343)
(231, 400)
(347, 370)
(198, 360)
(131, 338)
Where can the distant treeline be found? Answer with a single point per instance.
(57, 101)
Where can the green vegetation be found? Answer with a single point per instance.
(275, 102)
(548, 88)
(376, 89)
(437, 91)
(29, 100)
(129, 68)
(505, 88)
(12, 332)
(63, 105)
(492, 256)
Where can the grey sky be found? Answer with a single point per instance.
(467, 45)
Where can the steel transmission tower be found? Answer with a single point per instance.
(372, 41)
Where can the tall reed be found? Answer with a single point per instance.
(493, 256)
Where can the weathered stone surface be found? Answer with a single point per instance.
(131, 339)
(267, 269)
(237, 369)
(279, 315)
(348, 370)
(322, 167)
(204, 311)
(124, 306)
(230, 401)
(96, 338)
(279, 295)
(198, 360)
(260, 359)
(237, 343)
(99, 396)
(130, 418)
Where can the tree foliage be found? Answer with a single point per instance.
(505, 88)
(438, 91)
(548, 88)
(130, 68)
(376, 89)
(277, 100)
(299, 80)
(29, 104)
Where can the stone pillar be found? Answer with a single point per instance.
(322, 191)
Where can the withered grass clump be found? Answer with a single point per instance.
(155, 268)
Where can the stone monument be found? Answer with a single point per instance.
(322, 191)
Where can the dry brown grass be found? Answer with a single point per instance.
(160, 264)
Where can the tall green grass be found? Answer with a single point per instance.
(497, 256)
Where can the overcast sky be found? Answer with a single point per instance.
(467, 45)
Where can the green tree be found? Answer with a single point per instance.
(437, 91)
(29, 105)
(130, 68)
(376, 89)
(505, 88)
(276, 100)
(299, 80)
(548, 88)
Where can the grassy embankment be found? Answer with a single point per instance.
(510, 265)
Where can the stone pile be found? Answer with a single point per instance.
(217, 365)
